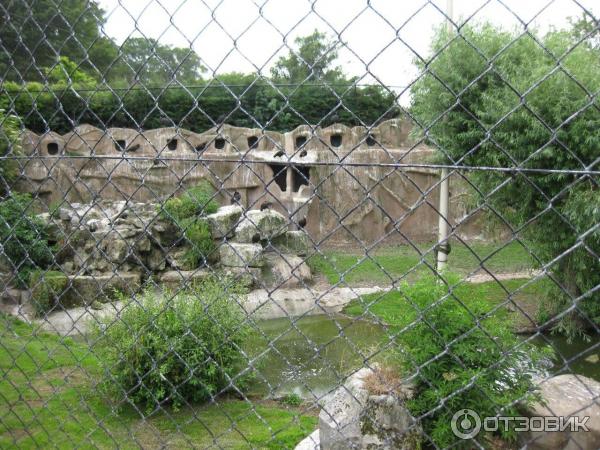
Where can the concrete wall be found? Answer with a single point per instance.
(337, 177)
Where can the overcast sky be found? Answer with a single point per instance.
(248, 36)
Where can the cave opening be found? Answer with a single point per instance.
(280, 175)
(300, 141)
(219, 143)
(335, 140)
(120, 145)
(371, 141)
(252, 142)
(52, 148)
(200, 147)
(172, 144)
(300, 177)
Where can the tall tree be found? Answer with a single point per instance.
(154, 64)
(496, 99)
(312, 60)
(36, 33)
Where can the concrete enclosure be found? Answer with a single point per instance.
(338, 178)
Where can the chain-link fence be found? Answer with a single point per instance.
(234, 242)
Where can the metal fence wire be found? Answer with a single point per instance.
(238, 243)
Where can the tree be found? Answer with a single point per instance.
(495, 98)
(149, 62)
(35, 33)
(312, 60)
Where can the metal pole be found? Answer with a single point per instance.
(443, 246)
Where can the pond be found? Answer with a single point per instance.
(309, 356)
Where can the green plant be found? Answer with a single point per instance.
(199, 237)
(46, 287)
(193, 202)
(175, 349)
(10, 145)
(185, 212)
(291, 399)
(23, 236)
(492, 72)
(463, 354)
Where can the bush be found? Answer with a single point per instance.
(186, 212)
(46, 288)
(23, 236)
(175, 349)
(199, 237)
(9, 146)
(451, 346)
(193, 202)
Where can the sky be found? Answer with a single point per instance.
(380, 38)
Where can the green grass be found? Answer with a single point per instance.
(47, 399)
(382, 265)
(395, 310)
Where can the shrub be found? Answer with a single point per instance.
(177, 349)
(9, 146)
(463, 357)
(46, 287)
(185, 212)
(23, 236)
(199, 236)
(193, 202)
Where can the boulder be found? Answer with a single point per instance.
(246, 276)
(565, 396)
(353, 418)
(241, 255)
(179, 279)
(224, 221)
(85, 289)
(295, 242)
(285, 271)
(267, 224)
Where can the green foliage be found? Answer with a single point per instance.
(312, 60)
(66, 72)
(195, 201)
(10, 145)
(556, 130)
(46, 288)
(463, 355)
(147, 61)
(185, 348)
(292, 399)
(23, 236)
(197, 108)
(199, 236)
(185, 212)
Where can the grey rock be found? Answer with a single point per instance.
(11, 296)
(156, 260)
(85, 289)
(285, 271)
(177, 279)
(241, 255)
(224, 221)
(117, 250)
(268, 224)
(564, 396)
(352, 418)
(295, 242)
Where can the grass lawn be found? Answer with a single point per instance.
(382, 265)
(396, 311)
(47, 399)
